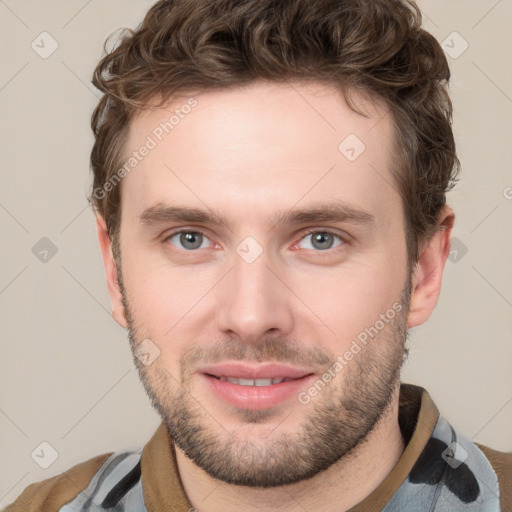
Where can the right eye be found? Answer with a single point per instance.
(188, 240)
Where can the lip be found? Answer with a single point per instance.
(255, 397)
(261, 371)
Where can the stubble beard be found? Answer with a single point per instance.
(341, 418)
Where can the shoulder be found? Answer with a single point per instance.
(501, 462)
(51, 494)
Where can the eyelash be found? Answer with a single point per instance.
(344, 240)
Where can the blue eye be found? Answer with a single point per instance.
(193, 240)
(188, 240)
(322, 240)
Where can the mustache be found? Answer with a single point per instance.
(274, 349)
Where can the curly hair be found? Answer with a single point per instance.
(376, 48)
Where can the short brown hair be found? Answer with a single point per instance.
(375, 48)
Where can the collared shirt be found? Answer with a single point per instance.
(439, 470)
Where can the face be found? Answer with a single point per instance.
(261, 241)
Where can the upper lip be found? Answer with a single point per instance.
(260, 371)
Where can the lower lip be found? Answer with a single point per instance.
(256, 397)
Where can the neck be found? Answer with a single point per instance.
(338, 488)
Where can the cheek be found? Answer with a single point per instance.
(157, 297)
(159, 306)
(352, 297)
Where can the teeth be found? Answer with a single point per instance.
(253, 382)
(262, 382)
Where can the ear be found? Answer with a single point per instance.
(428, 273)
(111, 272)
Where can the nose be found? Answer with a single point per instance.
(253, 302)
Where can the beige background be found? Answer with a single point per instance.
(66, 369)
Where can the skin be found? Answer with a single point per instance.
(264, 149)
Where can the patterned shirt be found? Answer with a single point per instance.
(439, 470)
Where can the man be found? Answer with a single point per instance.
(270, 187)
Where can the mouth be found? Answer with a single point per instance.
(251, 382)
(255, 387)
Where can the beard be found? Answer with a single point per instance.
(338, 420)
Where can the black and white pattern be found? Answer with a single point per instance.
(451, 474)
(116, 487)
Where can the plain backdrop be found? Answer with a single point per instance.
(67, 376)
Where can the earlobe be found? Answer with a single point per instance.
(114, 290)
(428, 273)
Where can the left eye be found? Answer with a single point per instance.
(322, 240)
(189, 240)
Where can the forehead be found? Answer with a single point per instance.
(260, 146)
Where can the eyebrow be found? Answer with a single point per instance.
(325, 212)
